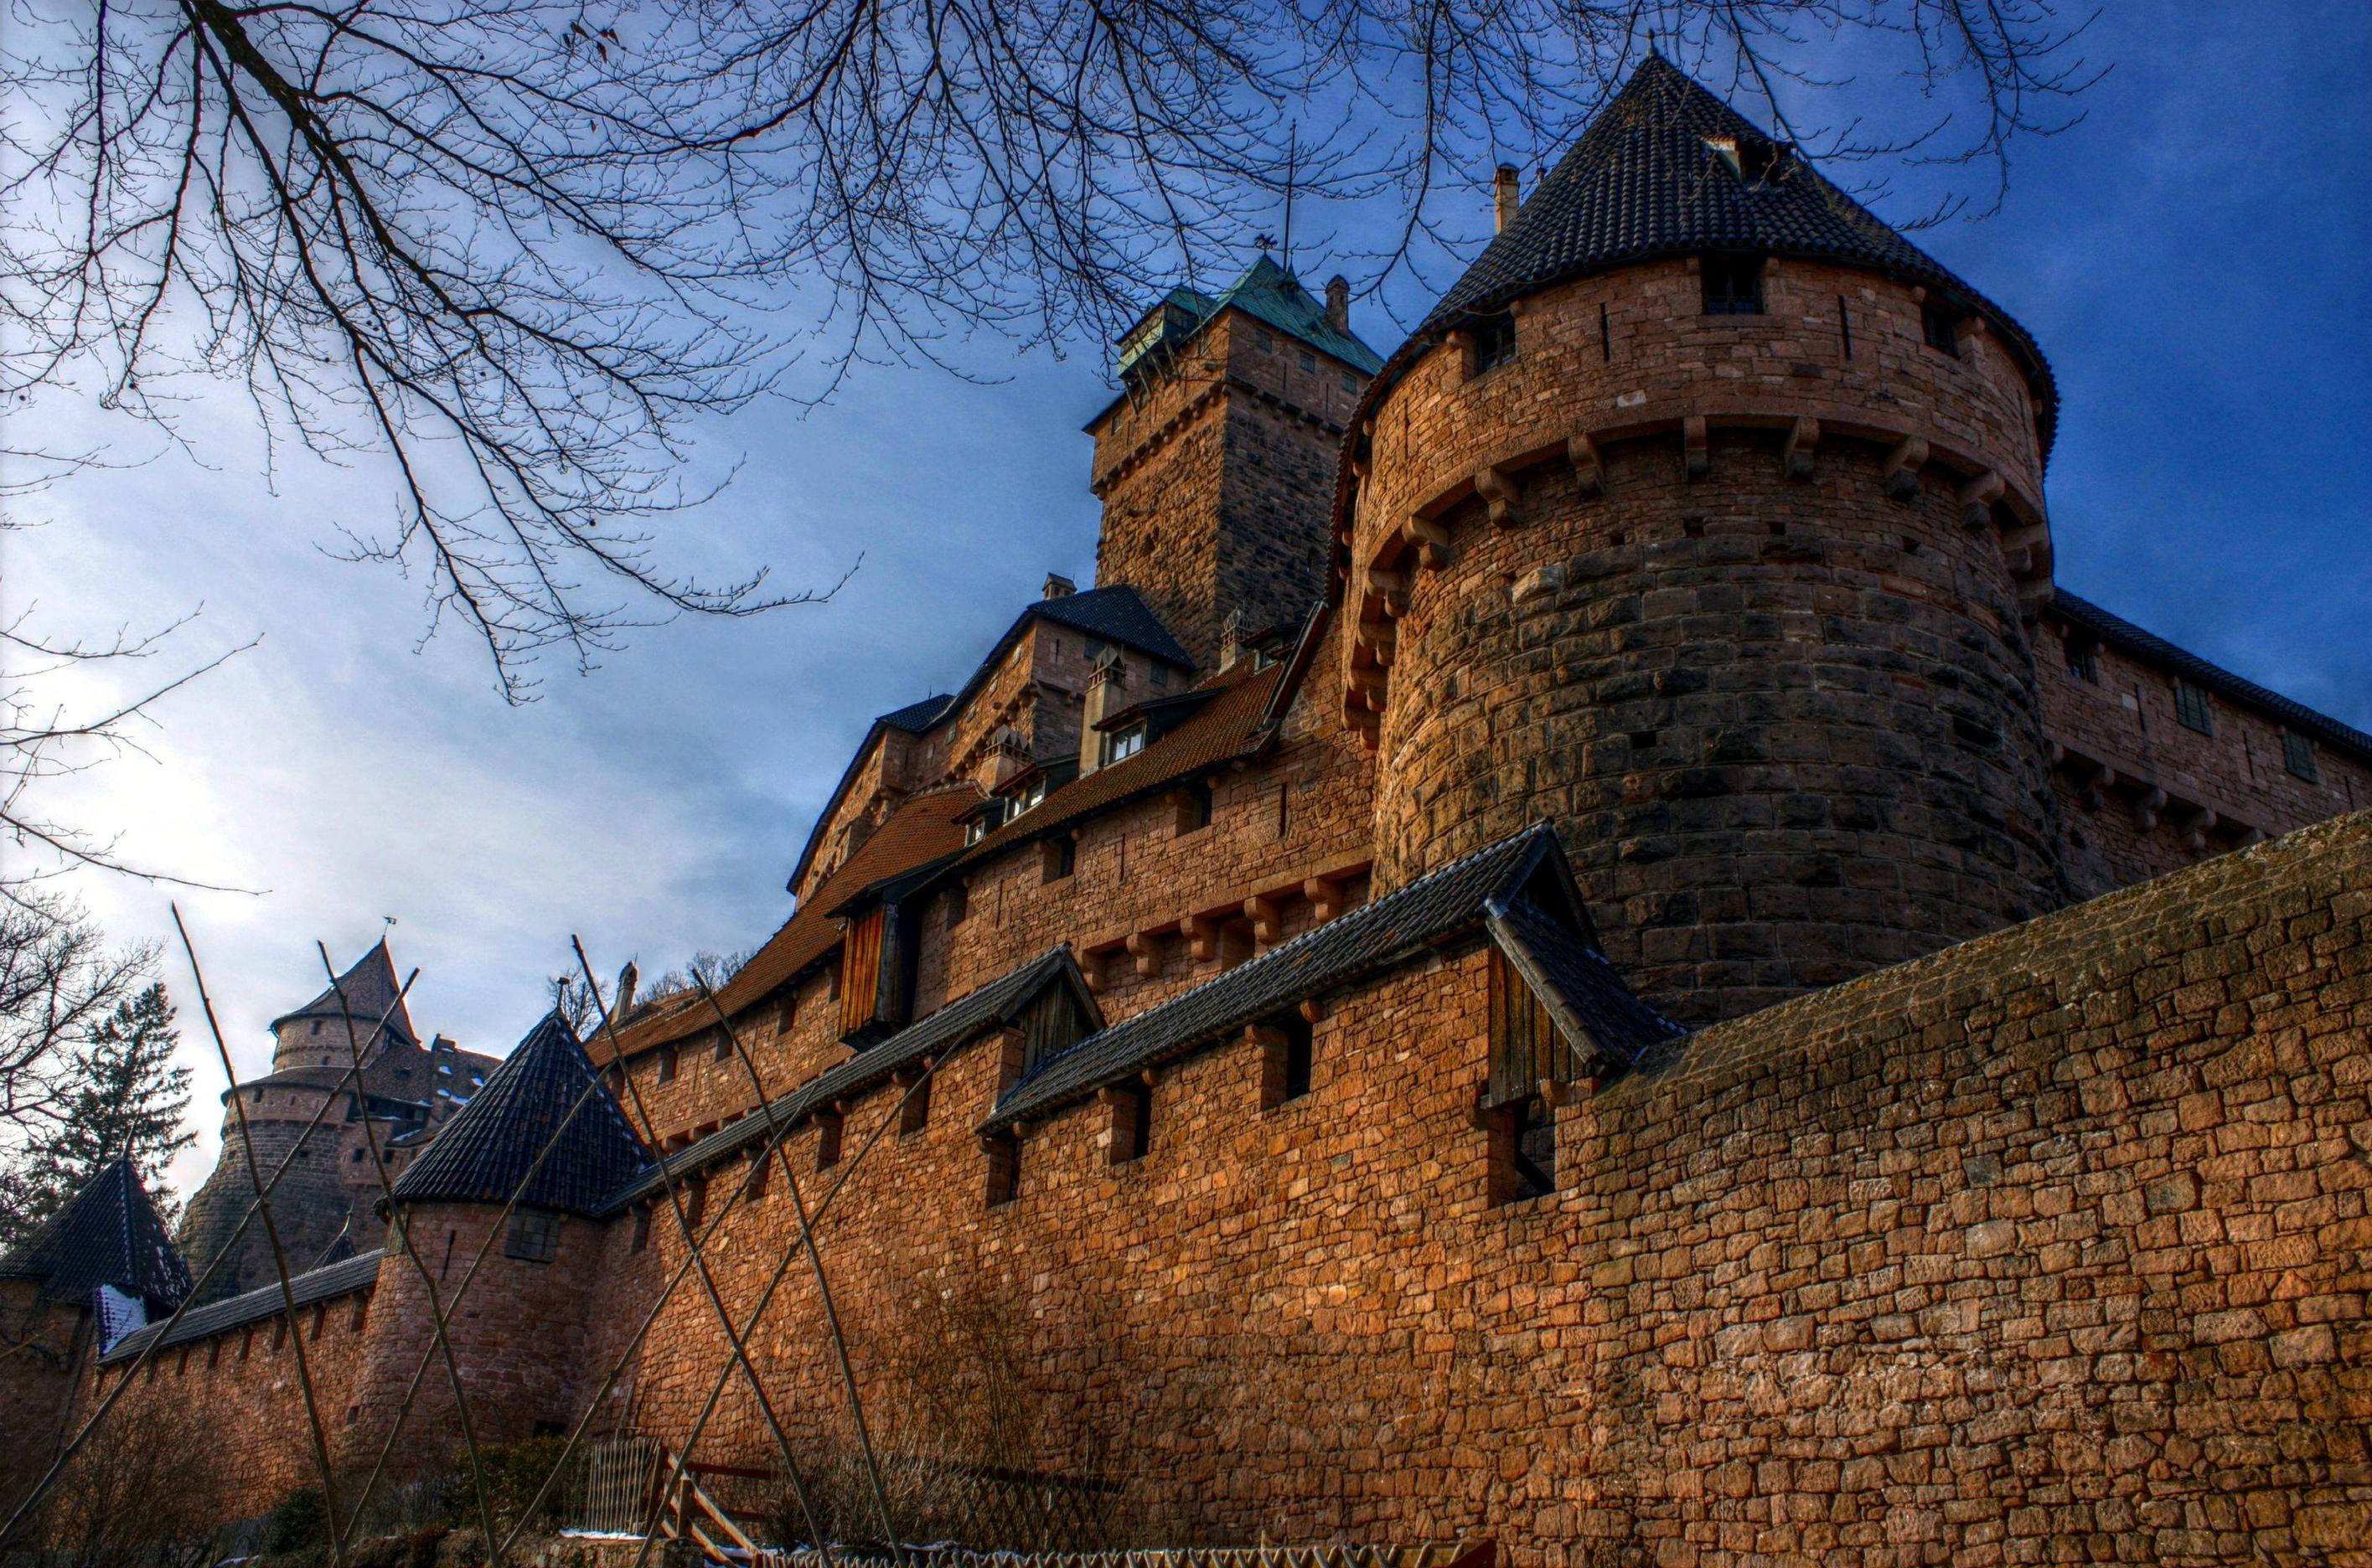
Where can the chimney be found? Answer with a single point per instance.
(1058, 586)
(1505, 197)
(1107, 694)
(1337, 303)
(623, 1003)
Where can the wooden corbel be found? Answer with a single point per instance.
(1498, 494)
(1696, 460)
(1263, 914)
(1902, 466)
(1146, 948)
(1325, 897)
(1431, 541)
(1977, 497)
(1202, 933)
(1796, 457)
(1589, 469)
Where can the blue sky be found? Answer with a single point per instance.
(2191, 258)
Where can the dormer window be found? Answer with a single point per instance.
(1733, 284)
(1032, 797)
(1123, 743)
(1495, 341)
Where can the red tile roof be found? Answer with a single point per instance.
(921, 830)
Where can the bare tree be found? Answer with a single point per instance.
(59, 983)
(517, 249)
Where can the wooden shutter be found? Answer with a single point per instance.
(860, 972)
(1525, 1045)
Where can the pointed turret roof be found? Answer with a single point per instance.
(1667, 168)
(109, 1234)
(370, 988)
(1267, 291)
(489, 1147)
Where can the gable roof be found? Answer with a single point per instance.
(260, 1305)
(107, 1234)
(370, 989)
(1002, 1000)
(924, 828)
(491, 1146)
(1268, 293)
(1115, 614)
(2124, 634)
(1485, 889)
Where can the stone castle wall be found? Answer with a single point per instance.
(309, 1205)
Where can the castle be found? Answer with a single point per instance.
(1574, 944)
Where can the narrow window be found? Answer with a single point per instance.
(279, 1337)
(1004, 1169)
(667, 1065)
(695, 1198)
(1523, 1151)
(1284, 1076)
(1193, 805)
(1941, 321)
(1495, 342)
(1605, 334)
(2191, 708)
(2298, 753)
(1733, 284)
(320, 1316)
(827, 1141)
(1844, 327)
(755, 1187)
(958, 904)
(914, 1111)
(1309, 360)
(2083, 658)
(361, 1314)
(642, 1228)
(1057, 857)
(724, 1046)
(534, 1236)
(1131, 1122)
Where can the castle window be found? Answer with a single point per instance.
(755, 1187)
(534, 1236)
(914, 1111)
(1267, 345)
(2297, 754)
(958, 904)
(1350, 383)
(695, 1198)
(1194, 806)
(1733, 284)
(1004, 1169)
(642, 1228)
(1528, 1059)
(1495, 342)
(1284, 1076)
(1124, 743)
(2191, 709)
(724, 1045)
(1940, 320)
(827, 1140)
(667, 1065)
(1057, 857)
(317, 1026)
(1131, 1122)
(1309, 360)
(1523, 1151)
(2083, 658)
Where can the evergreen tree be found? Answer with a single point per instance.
(124, 1095)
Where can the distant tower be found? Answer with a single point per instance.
(1216, 463)
(1703, 518)
(328, 1189)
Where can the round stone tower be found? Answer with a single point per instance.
(1703, 518)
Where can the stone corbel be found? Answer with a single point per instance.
(1696, 459)
(1146, 948)
(1977, 496)
(1902, 466)
(1803, 441)
(1325, 897)
(1263, 914)
(2146, 807)
(1202, 933)
(2196, 828)
(1390, 588)
(2096, 793)
(1498, 492)
(1091, 969)
(1431, 541)
(1588, 468)
(1380, 637)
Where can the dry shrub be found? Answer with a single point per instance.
(143, 1492)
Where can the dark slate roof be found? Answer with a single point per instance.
(2150, 648)
(370, 988)
(341, 1245)
(916, 717)
(1115, 614)
(486, 1150)
(1388, 932)
(1000, 1002)
(1579, 986)
(357, 1272)
(107, 1234)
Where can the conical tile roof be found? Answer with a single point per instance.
(370, 988)
(109, 1234)
(1651, 177)
(487, 1150)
